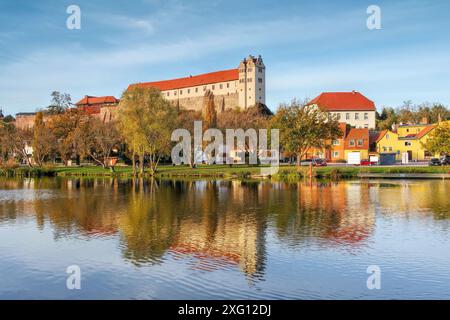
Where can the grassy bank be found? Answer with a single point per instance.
(220, 171)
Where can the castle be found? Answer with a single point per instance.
(243, 87)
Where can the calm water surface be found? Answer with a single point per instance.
(224, 239)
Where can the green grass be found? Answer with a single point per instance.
(221, 171)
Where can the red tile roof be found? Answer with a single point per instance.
(343, 101)
(357, 134)
(425, 131)
(90, 100)
(192, 81)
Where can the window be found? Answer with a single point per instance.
(213, 87)
(347, 116)
(221, 86)
(249, 69)
(204, 88)
(260, 69)
(335, 154)
(407, 130)
(356, 116)
(181, 92)
(384, 149)
(189, 91)
(174, 93)
(228, 85)
(196, 89)
(408, 144)
(352, 143)
(387, 136)
(366, 116)
(338, 116)
(390, 148)
(249, 80)
(259, 80)
(168, 93)
(335, 142)
(360, 142)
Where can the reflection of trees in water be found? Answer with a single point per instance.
(197, 219)
(216, 223)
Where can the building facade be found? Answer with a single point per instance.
(406, 139)
(243, 87)
(353, 108)
(104, 108)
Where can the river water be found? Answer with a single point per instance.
(222, 239)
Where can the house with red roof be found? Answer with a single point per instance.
(103, 108)
(242, 87)
(353, 108)
(409, 139)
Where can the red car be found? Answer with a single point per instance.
(366, 162)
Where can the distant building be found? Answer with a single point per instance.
(243, 87)
(25, 120)
(353, 140)
(103, 108)
(353, 108)
(406, 139)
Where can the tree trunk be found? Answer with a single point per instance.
(141, 164)
(134, 163)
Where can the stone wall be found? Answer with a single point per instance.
(196, 103)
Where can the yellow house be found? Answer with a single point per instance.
(408, 139)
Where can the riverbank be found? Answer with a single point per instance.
(236, 171)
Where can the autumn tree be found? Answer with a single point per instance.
(97, 139)
(43, 140)
(64, 126)
(439, 140)
(146, 121)
(304, 127)
(185, 120)
(209, 111)
(21, 141)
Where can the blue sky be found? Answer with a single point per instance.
(308, 47)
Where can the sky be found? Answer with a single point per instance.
(308, 47)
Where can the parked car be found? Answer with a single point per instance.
(445, 160)
(434, 162)
(367, 162)
(317, 162)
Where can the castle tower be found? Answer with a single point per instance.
(252, 82)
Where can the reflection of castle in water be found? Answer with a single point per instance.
(213, 223)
